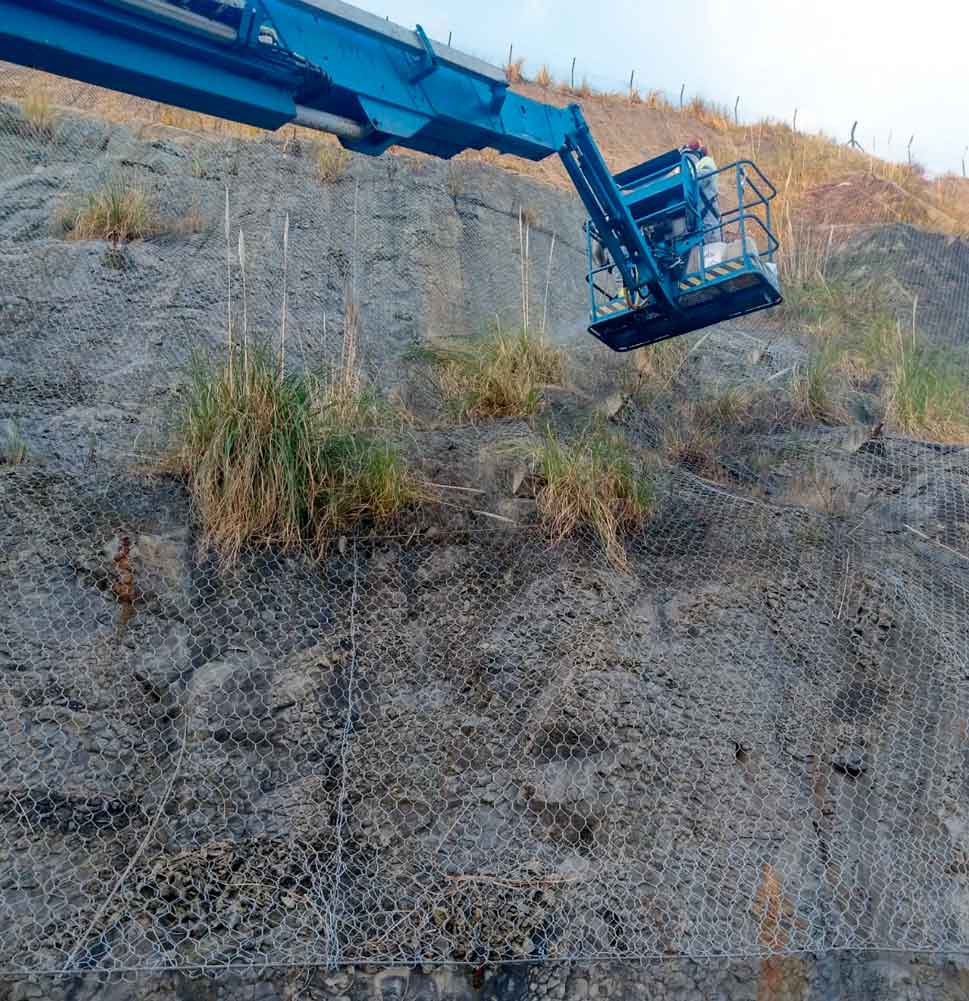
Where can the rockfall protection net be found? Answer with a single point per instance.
(454, 741)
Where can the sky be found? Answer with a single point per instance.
(898, 70)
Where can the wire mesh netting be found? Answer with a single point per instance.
(455, 740)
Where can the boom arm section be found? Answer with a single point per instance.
(327, 65)
(268, 63)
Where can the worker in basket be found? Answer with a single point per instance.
(705, 168)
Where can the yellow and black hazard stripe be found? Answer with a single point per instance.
(621, 305)
(717, 271)
(610, 308)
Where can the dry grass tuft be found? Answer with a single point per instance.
(500, 374)
(700, 434)
(192, 222)
(283, 460)
(591, 483)
(529, 216)
(693, 440)
(179, 118)
(710, 114)
(656, 100)
(543, 78)
(731, 409)
(119, 212)
(655, 368)
(332, 162)
(515, 71)
(38, 110)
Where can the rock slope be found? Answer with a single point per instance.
(457, 744)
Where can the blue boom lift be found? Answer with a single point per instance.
(654, 272)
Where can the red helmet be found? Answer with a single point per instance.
(695, 146)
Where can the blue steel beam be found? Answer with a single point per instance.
(121, 50)
(325, 56)
(611, 216)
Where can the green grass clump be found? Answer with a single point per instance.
(928, 393)
(13, 448)
(283, 460)
(857, 341)
(591, 483)
(815, 389)
(120, 212)
(856, 314)
(500, 374)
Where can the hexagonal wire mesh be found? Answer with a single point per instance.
(452, 740)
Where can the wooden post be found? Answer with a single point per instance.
(511, 52)
(573, 72)
(910, 150)
(682, 92)
(632, 78)
(449, 34)
(736, 111)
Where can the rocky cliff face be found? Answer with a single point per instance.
(455, 744)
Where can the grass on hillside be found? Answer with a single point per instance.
(515, 71)
(797, 162)
(119, 211)
(591, 483)
(692, 440)
(285, 460)
(38, 110)
(656, 367)
(332, 162)
(13, 448)
(816, 389)
(500, 374)
(928, 391)
(857, 343)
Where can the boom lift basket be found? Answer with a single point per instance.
(717, 272)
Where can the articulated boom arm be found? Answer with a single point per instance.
(327, 65)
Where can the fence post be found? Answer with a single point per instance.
(794, 127)
(573, 72)
(632, 78)
(511, 52)
(910, 150)
(682, 92)
(736, 111)
(449, 38)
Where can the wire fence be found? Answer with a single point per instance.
(456, 742)
(576, 75)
